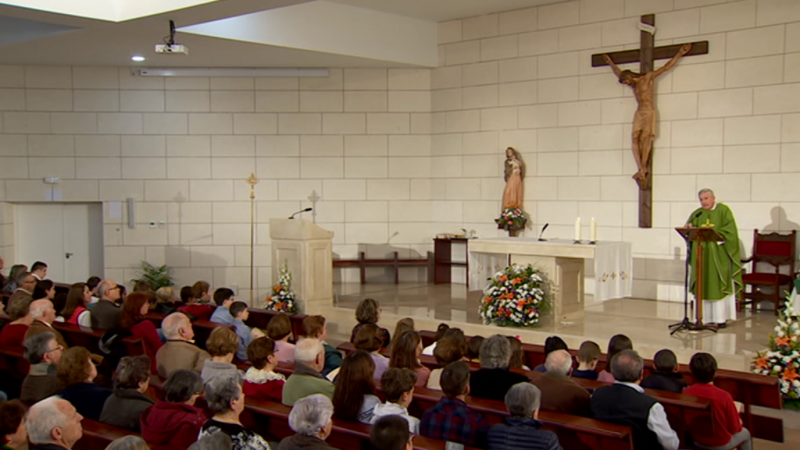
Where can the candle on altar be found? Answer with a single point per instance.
(593, 231)
(578, 229)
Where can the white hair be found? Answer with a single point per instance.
(307, 350)
(558, 361)
(43, 418)
(310, 414)
(704, 190)
(39, 307)
(171, 324)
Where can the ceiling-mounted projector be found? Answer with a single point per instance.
(172, 48)
(169, 46)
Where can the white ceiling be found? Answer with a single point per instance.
(104, 43)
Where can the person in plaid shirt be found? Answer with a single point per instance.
(450, 419)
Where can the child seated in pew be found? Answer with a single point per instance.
(279, 329)
(588, 355)
(193, 305)
(551, 344)
(728, 432)
(447, 351)
(261, 380)
(666, 376)
(398, 386)
(246, 335)
(369, 340)
(618, 343)
(440, 331)
(474, 349)
(221, 345)
(517, 360)
(403, 325)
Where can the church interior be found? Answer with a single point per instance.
(185, 133)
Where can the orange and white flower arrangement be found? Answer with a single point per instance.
(515, 296)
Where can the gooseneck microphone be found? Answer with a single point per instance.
(309, 209)
(542, 232)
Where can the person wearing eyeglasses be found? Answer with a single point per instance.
(26, 283)
(43, 353)
(106, 313)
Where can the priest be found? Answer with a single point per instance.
(722, 267)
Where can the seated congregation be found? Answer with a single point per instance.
(183, 390)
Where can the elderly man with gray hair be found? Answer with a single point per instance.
(53, 424)
(625, 403)
(311, 420)
(226, 400)
(179, 352)
(107, 312)
(307, 379)
(43, 353)
(44, 314)
(560, 392)
(522, 430)
(494, 379)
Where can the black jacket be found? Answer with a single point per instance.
(87, 398)
(493, 383)
(302, 442)
(124, 407)
(665, 381)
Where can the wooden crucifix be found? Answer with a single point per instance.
(643, 85)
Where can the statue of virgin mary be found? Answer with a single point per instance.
(514, 171)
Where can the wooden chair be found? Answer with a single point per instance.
(776, 250)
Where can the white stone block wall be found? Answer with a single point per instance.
(729, 120)
(182, 148)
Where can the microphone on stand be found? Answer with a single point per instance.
(301, 212)
(542, 232)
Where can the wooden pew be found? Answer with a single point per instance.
(97, 436)
(748, 388)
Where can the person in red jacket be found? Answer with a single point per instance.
(175, 421)
(728, 432)
(133, 310)
(261, 380)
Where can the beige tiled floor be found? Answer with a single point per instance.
(644, 321)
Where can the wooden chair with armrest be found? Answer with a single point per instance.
(777, 250)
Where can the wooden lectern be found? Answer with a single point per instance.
(699, 235)
(308, 251)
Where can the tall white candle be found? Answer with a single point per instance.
(593, 231)
(578, 229)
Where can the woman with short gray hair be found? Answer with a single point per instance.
(311, 419)
(226, 400)
(494, 378)
(522, 430)
(124, 407)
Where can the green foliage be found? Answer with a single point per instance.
(158, 277)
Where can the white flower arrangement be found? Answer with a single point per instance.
(514, 297)
(282, 298)
(782, 359)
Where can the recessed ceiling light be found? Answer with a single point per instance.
(138, 58)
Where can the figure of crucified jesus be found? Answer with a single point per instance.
(644, 121)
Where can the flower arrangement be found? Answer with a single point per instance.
(782, 359)
(514, 297)
(282, 298)
(511, 219)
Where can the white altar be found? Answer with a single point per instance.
(562, 261)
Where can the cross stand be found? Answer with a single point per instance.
(314, 198)
(645, 56)
(698, 235)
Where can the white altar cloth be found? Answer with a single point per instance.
(613, 261)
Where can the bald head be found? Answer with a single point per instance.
(558, 361)
(174, 324)
(43, 310)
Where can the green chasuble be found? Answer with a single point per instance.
(722, 267)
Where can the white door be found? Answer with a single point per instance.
(66, 236)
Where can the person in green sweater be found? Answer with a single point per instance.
(309, 355)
